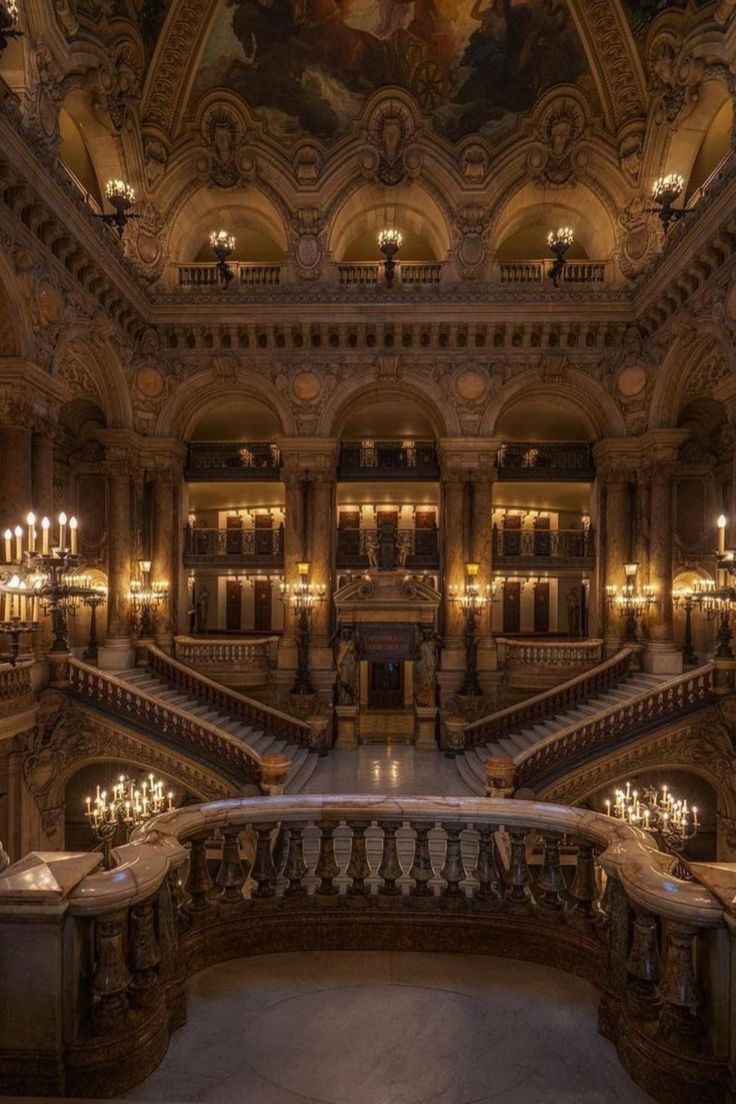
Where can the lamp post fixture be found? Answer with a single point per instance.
(145, 598)
(389, 242)
(688, 600)
(665, 193)
(303, 597)
(670, 820)
(223, 246)
(93, 601)
(472, 599)
(127, 806)
(559, 242)
(122, 197)
(8, 23)
(631, 602)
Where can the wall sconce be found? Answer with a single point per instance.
(122, 197)
(8, 23)
(223, 246)
(389, 242)
(665, 193)
(559, 242)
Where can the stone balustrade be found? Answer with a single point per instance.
(536, 272)
(563, 886)
(16, 691)
(235, 661)
(539, 664)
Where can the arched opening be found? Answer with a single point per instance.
(74, 154)
(531, 214)
(714, 147)
(387, 419)
(237, 420)
(407, 208)
(249, 216)
(543, 419)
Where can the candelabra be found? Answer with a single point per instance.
(632, 603)
(8, 23)
(688, 601)
(559, 242)
(121, 197)
(223, 245)
(665, 194)
(389, 242)
(93, 601)
(303, 597)
(127, 807)
(44, 578)
(145, 597)
(472, 599)
(668, 819)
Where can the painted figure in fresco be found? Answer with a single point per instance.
(425, 670)
(347, 668)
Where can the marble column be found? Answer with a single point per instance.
(321, 497)
(117, 651)
(661, 656)
(163, 566)
(454, 501)
(295, 550)
(42, 473)
(481, 552)
(15, 474)
(617, 550)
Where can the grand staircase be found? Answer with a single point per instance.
(603, 705)
(227, 728)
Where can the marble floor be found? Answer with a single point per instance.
(385, 769)
(380, 1028)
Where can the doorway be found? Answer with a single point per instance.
(511, 606)
(233, 605)
(386, 686)
(541, 608)
(262, 602)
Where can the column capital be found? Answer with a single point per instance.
(308, 457)
(468, 457)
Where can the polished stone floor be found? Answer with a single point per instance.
(385, 769)
(399, 1028)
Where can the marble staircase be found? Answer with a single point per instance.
(471, 765)
(303, 761)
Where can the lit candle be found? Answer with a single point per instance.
(73, 530)
(18, 543)
(8, 546)
(721, 535)
(45, 526)
(31, 523)
(62, 530)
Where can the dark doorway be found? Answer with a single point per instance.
(541, 608)
(234, 536)
(542, 537)
(511, 607)
(233, 605)
(262, 600)
(263, 535)
(386, 686)
(512, 535)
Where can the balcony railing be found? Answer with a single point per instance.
(388, 460)
(537, 460)
(233, 547)
(543, 547)
(205, 274)
(536, 272)
(364, 273)
(411, 548)
(220, 460)
(422, 873)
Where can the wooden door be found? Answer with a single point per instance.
(541, 608)
(348, 537)
(387, 517)
(425, 536)
(233, 605)
(542, 539)
(386, 686)
(512, 607)
(262, 600)
(264, 535)
(511, 536)
(234, 536)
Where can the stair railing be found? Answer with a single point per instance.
(550, 702)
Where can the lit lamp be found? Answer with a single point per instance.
(121, 197)
(303, 596)
(472, 599)
(223, 246)
(93, 601)
(145, 597)
(8, 22)
(632, 603)
(125, 807)
(665, 194)
(687, 599)
(669, 819)
(559, 242)
(389, 242)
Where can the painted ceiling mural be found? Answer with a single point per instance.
(305, 67)
(641, 12)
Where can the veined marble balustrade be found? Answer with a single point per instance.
(99, 959)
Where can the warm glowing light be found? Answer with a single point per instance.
(667, 188)
(389, 238)
(564, 236)
(220, 239)
(118, 189)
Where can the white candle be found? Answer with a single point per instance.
(73, 532)
(62, 531)
(45, 526)
(721, 535)
(18, 543)
(8, 545)
(31, 523)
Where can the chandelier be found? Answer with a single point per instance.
(127, 806)
(303, 597)
(472, 599)
(665, 193)
(145, 597)
(121, 198)
(42, 575)
(632, 602)
(669, 819)
(223, 246)
(389, 242)
(559, 242)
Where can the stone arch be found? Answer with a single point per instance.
(208, 208)
(691, 368)
(591, 402)
(93, 371)
(205, 391)
(425, 395)
(580, 207)
(88, 136)
(409, 207)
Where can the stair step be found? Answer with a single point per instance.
(468, 777)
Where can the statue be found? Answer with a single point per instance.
(371, 547)
(347, 669)
(203, 602)
(403, 547)
(573, 612)
(425, 670)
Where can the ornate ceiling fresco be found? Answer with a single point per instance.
(306, 66)
(640, 13)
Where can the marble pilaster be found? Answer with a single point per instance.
(163, 567)
(661, 655)
(117, 652)
(481, 552)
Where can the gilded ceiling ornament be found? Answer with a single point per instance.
(558, 159)
(228, 165)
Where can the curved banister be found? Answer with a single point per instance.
(105, 689)
(238, 706)
(549, 702)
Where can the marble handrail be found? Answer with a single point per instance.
(250, 651)
(549, 702)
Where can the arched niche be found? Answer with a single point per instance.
(523, 224)
(237, 420)
(247, 214)
(544, 417)
(412, 408)
(701, 133)
(86, 147)
(95, 375)
(387, 418)
(408, 208)
(716, 144)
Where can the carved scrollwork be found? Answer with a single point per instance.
(557, 158)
